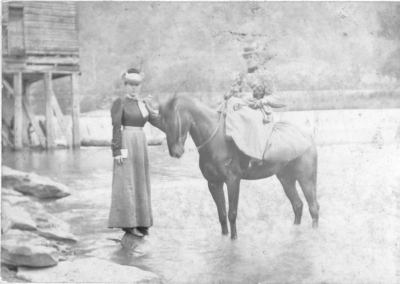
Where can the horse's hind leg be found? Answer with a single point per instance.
(288, 181)
(217, 192)
(306, 174)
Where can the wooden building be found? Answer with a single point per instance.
(40, 42)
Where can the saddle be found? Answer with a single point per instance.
(274, 142)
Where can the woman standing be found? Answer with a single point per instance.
(131, 190)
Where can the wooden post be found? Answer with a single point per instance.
(48, 87)
(76, 109)
(18, 111)
(35, 124)
(25, 120)
(61, 120)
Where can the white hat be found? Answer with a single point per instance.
(133, 76)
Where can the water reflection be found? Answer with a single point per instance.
(185, 244)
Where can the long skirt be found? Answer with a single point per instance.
(131, 192)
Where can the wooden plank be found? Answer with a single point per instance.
(15, 4)
(60, 44)
(50, 25)
(4, 41)
(52, 50)
(50, 12)
(50, 34)
(50, 5)
(74, 52)
(61, 120)
(15, 32)
(48, 41)
(18, 111)
(4, 13)
(49, 18)
(50, 30)
(64, 3)
(76, 109)
(60, 50)
(40, 69)
(48, 86)
(35, 124)
(52, 60)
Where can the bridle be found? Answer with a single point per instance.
(215, 131)
(212, 135)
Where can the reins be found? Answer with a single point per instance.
(212, 135)
(216, 129)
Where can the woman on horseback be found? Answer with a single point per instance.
(258, 81)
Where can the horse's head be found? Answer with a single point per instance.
(177, 124)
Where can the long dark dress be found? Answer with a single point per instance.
(131, 190)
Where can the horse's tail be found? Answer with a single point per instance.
(315, 177)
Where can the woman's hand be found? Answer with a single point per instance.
(152, 106)
(119, 159)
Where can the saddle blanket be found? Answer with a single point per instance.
(274, 142)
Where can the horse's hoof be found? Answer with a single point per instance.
(234, 237)
(315, 225)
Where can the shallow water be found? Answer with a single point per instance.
(357, 241)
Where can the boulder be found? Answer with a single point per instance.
(18, 216)
(6, 222)
(87, 270)
(48, 225)
(136, 245)
(14, 199)
(22, 248)
(33, 184)
(10, 191)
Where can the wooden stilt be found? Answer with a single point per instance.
(18, 111)
(25, 119)
(49, 110)
(35, 124)
(9, 88)
(61, 121)
(76, 109)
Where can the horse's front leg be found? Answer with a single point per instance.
(217, 192)
(233, 184)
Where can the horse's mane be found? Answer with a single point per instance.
(183, 100)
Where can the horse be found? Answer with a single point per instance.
(221, 161)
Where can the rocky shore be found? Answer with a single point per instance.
(36, 245)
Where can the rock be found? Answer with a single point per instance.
(22, 248)
(33, 184)
(19, 217)
(9, 191)
(14, 199)
(57, 234)
(87, 270)
(6, 223)
(136, 245)
(54, 228)
(50, 226)
(8, 274)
